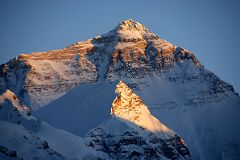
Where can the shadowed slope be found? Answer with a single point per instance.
(132, 132)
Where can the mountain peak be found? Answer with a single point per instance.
(129, 29)
(130, 107)
(131, 26)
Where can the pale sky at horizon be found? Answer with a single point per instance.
(208, 28)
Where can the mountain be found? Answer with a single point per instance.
(22, 133)
(133, 133)
(25, 137)
(15, 137)
(129, 50)
(77, 84)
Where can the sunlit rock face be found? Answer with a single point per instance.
(41, 77)
(133, 133)
(139, 53)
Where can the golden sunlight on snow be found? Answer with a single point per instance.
(130, 107)
(68, 53)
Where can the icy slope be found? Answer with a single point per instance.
(209, 126)
(12, 111)
(16, 138)
(18, 129)
(133, 133)
(81, 109)
(23, 136)
(67, 144)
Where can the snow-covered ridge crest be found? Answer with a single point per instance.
(25, 137)
(13, 111)
(131, 25)
(130, 30)
(130, 107)
(12, 98)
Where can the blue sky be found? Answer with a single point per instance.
(210, 29)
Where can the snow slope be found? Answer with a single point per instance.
(133, 133)
(210, 129)
(24, 143)
(175, 98)
(67, 144)
(119, 139)
(83, 107)
(23, 136)
(12, 111)
(18, 138)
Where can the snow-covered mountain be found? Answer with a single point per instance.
(129, 51)
(25, 137)
(133, 133)
(77, 85)
(17, 127)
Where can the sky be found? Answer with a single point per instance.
(210, 29)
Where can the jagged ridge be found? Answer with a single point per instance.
(133, 133)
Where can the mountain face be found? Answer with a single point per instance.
(129, 51)
(116, 138)
(133, 133)
(26, 137)
(13, 111)
(130, 107)
(15, 122)
(77, 83)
